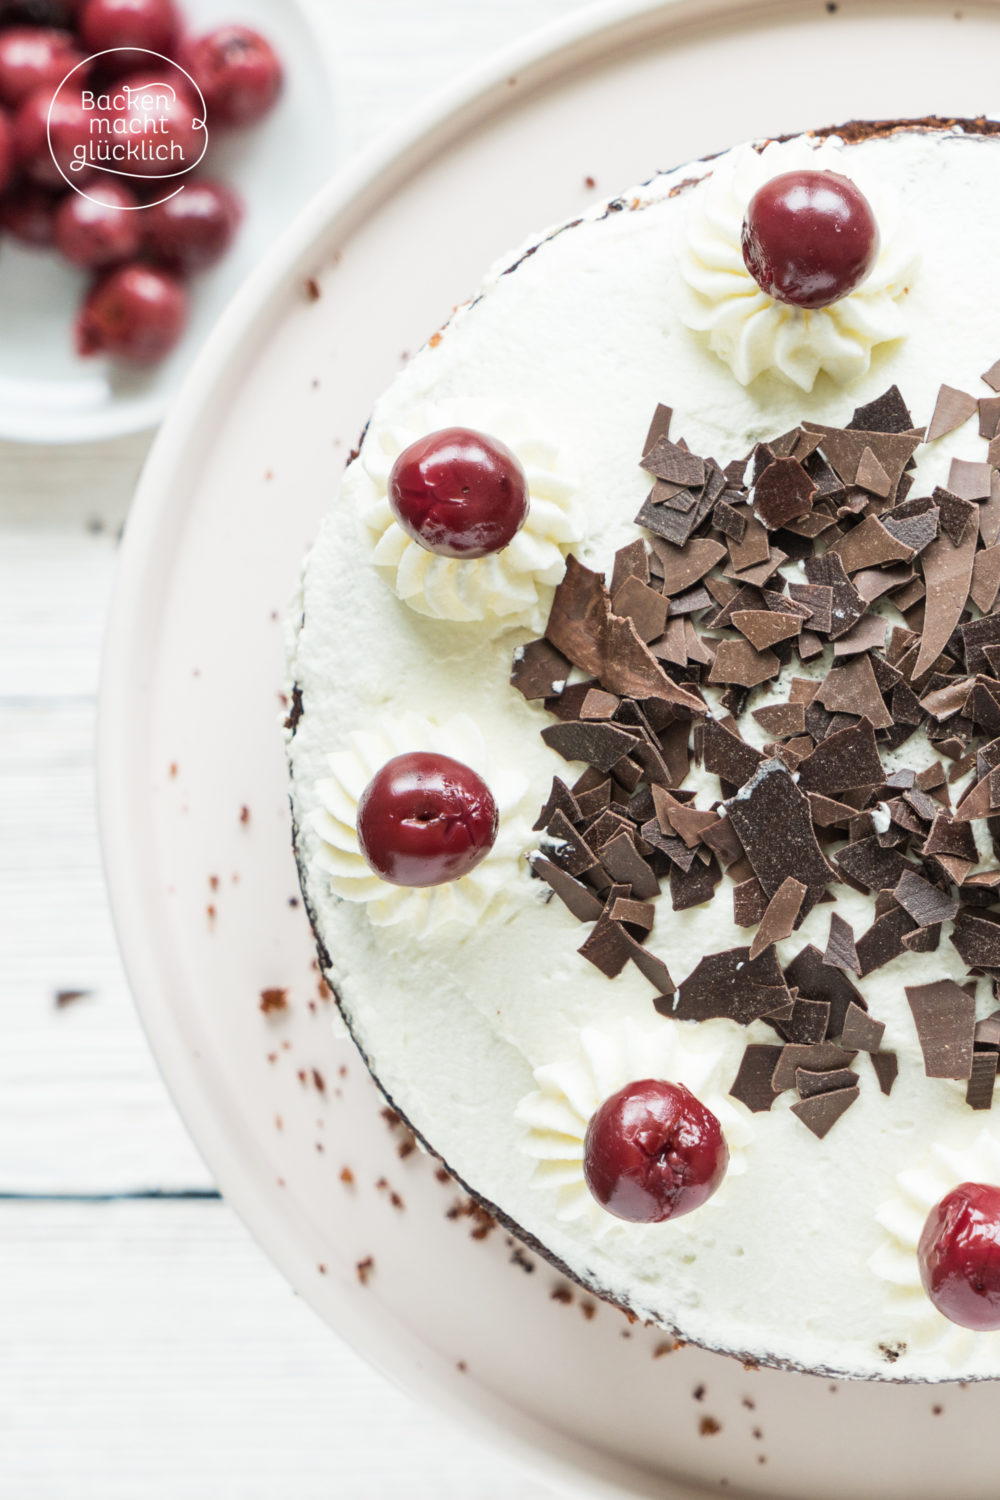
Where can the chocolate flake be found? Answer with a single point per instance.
(667, 460)
(539, 670)
(810, 1084)
(977, 941)
(848, 606)
(765, 627)
(812, 978)
(731, 985)
(852, 689)
(945, 1017)
(970, 481)
(579, 898)
(822, 1111)
(861, 1033)
(725, 755)
(820, 1057)
(841, 952)
(782, 492)
(623, 862)
(600, 745)
(778, 921)
(770, 816)
(738, 662)
(979, 1094)
(605, 947)
(752, 1084)
(951, 409)
(926, 903)
(884, 939)
(844, 761)
(886, 1065)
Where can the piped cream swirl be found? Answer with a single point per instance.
(903, 1219)
(501, 879)
(512, 587)
(746, 328)
(555, 1116)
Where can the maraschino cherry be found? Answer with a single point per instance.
(136, 313)
(459, 493)
(809, 238)
(425, 819)
(959, 1256)
(653, 1152)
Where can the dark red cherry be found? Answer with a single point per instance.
(150, 24)
(238, 74)
(8, 156)
(809, 238)
(653, 1152)
(459, 493)
(99, 230)
(159, 114)
(32, 57)
(135, 314)
(959, 1256)
(194, 229)
(68, 126)
(425, 819)
(28, 213)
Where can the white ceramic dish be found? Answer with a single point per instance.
(50, 395)
(232, 494)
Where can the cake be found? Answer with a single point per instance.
(721, 710)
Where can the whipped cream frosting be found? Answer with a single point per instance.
(455, 1034)
(749, 330)
(426, 911)
(976, 1158)
(556, 1114)
(511, 587)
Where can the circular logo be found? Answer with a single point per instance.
(128, 112)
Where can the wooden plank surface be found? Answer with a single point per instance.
(147, 1348)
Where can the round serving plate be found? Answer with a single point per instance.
(48, 393)
(193, 786)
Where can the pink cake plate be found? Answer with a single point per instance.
(193, 789)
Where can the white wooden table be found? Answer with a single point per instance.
(147, 1348)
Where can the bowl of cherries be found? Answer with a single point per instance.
(145, 164)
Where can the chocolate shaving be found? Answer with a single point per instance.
(945, 1018)
(733, 986)
(738, 662)
(646, 608)
(951, 409)
(822, 1112)
(884, 939)
(886, 1065)
(666, 460)
(977, 941)
(979, 1094)
(970, 481)
(725, 755)
(810, 1084)
(579, 898)
(752, 1084)
(559, 796)
(926, 903)
(778, 921)
(659, 427)
(861, 1032)
(600, 745)
(565, 846)
(782, 491)
(605, 947)
(845, 760)
(848, 606)
(770, 816)
(624, 863)
(821, 1057)
(841, 952)
(818, 981)
(852, 689)
(539, 670)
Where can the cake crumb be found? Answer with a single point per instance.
(708, 1426)
(313, 289)
(561, 1294)
(462, 1367)
(279, 1123)
(590, 183)
(518, 1258)
(364, 1269)
(213, 882)
(319, 1080)
(699, 1393)
(244, 814)
(173, 769)
(67, 997)
(665, 1348)
(750, 1404)
(758, 1434)
(273, 1000)
(937, 1411)
(762, 1458)
(589, 1310)
(347, 1176)
(321, 1268)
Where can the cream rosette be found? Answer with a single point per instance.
(555, 1116)
(513, 587)
(750, 331)
(499, 880)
